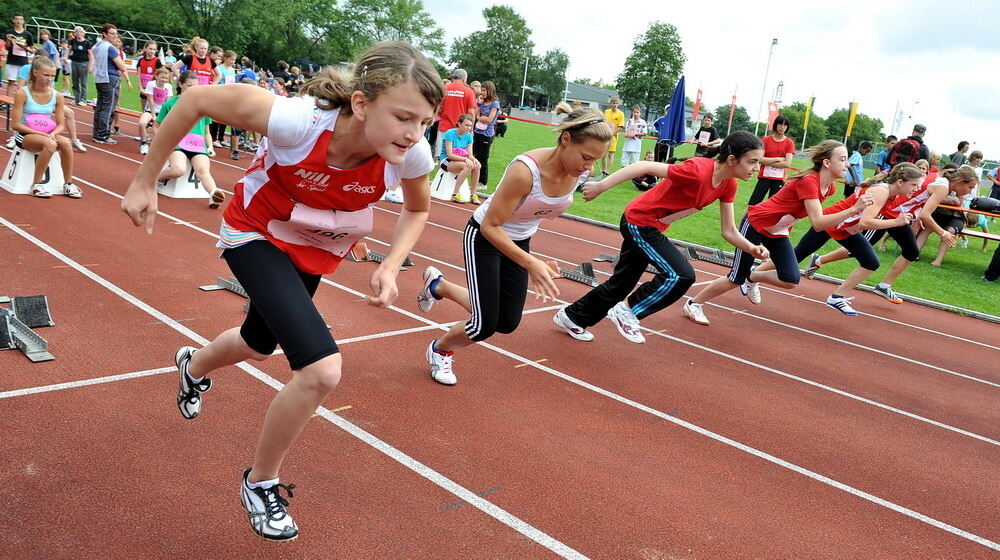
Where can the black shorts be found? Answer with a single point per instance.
(190, 155)
(946, 221)
(444, 165)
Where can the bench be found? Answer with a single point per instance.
(970, 233)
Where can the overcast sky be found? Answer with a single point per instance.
(939, 61)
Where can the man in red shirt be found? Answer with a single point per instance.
(458, 100)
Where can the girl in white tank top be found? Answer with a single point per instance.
(499, 268)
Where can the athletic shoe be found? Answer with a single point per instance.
(266, 510)
(562, 320)
(217, 198)
(78, 146)
(235, 156)
(109, 141)
(813, 267)
(143, 149)
(841, 304)
(475, 200)
(189, 392)
(440, 366)
(115, 131)
(626, 322)
(426, 299)
(752, 291)
(72, 190)
(694, 312)
(888, 294)
(217, 144)
(10, 144)
(40, 191)
(394, 196)
(482, 188)
(459, 199)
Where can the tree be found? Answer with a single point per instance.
(652, 69)
(499, 52)
(547, 74)
(595, 83)
(741, 119)
(865, 127)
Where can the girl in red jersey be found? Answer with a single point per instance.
(686, 188)
(771, 221)
(146, 66)
(304, 201)
(778, 152)
(199, 62)
(499, 267)
(922, 204)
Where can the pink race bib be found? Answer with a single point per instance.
(193, 143)
(41, 122)
(160, 95)
(334, 231)
(204, 80)
(460, 152)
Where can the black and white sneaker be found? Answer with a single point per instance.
(266, 510)
(189, 391)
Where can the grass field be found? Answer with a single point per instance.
(958, 282)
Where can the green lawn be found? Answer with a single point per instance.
(957, 283)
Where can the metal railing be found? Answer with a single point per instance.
(62, 29)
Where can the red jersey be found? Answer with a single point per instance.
(687, 189)
(911, 204)
(852, 224)
(202, 67)
(773, 148)
(774, 217)
(458, 100)
(147, 70)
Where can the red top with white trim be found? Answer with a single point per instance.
(851, 224)
(774, 217)
(687, 189)
(912, 204)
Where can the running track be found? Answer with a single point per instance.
(782, 431)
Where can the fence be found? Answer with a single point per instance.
(62, 29)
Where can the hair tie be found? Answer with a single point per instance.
(364, 71)
(586, 124)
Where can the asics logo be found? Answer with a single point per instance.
(360, 189)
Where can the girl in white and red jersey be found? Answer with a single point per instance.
(146, 66)
(499, 267)
(303, 203)
(920, 204)
(770, 223)
(157, 92)
(686, 188)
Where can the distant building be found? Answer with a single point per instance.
(590, 96)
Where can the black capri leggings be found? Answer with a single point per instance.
(497, 285)
(281, 307)
(903, 235)
(782, 255)
(765, 188)
(856, 245)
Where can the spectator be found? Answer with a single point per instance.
(169, 58)
(994, 176)
(958, 158)
(455, 157)
(881, 160)
(81, 62)
(108, 70)
(993, 270)
(297, 81)
(616, 118)
(485, 131)
(635, 129)
(50, 48)
(246, 71)
(477, 88)
(910, 149)
(707, 138)
(459, 99)
(662, 147)
(934, 161)
(283, 71)
(778, 152)
(20, 44)
(199, 62)
(501, 124)
(856, 168)
(646, 182)
(66, 66)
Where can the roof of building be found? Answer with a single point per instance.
(589, 93)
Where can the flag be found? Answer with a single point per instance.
(772, 113)
(697, 106)
(809, 106)
(850, 119)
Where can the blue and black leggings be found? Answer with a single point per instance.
(641, 246)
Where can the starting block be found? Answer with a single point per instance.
(583, 273)
(361, 253)
(443, 185)
(230, 285)
(185, 186)
(33, 311)
(20, 172)
(15, 334)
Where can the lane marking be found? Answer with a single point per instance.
(84, 382)
(532, 361)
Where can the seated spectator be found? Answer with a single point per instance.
(455, 158)
(646, 182)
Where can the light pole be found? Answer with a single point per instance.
(524, 83)
(763, 88)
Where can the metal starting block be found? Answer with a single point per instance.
(20, 336)
(361, 253)
(33, 311)
(583, 273)
(230, 285)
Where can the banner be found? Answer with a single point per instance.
(850, 119)
(697, 106)
(772, 113)
(809, 106)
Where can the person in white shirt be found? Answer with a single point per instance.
(635, 129)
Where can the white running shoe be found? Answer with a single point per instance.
(440, 366)
(41, 191)
(189, 391)
(425, 300)
(10, 143)
(72, 191)
(626, 322)
(813, 267)
(752, 291)
(562, 320)
(842, 304)
(694, 312)
(78, 146)
(143, 148)
(888, 294)
(266, 510)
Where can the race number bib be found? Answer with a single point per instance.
(460, 152)
(773, 172)
(783, 226)
(192, 143)
(41, 122)
(334, 231)
(704, 138)
(160, 95)
(481, 126)
(204, 79)
(677, 215)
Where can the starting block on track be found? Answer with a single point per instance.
(443, 185)
(15, 334)
(361, 253)
(18, 175)
(185, 186)
(230, 285)
(33, 311)
(583, 273)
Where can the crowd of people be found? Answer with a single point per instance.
(387, 126)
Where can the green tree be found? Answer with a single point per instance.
(865, 127)
(595, 83)
(741, 119)
(547, 74)
(652, 69)
(498, 53)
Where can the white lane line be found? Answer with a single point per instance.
(83, 382)
(397, 455)
(482, 504)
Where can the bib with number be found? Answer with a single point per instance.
(41, 122)
(192, 143)
(772, 172)
(334, 231)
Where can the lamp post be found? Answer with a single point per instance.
(524, 83)
(763, 88)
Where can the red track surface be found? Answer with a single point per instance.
(782, 431)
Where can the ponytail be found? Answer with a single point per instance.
(822, 151)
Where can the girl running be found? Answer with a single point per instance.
(922, 204)
(157, 91)
(770, 223)
(39, 117)
(300, 208)
(455, 158)
(778, 152)
(686, 188)
(499, 267)
(195, 147)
